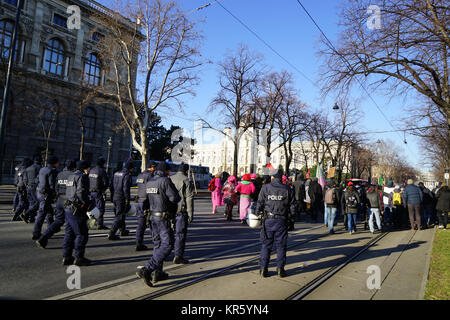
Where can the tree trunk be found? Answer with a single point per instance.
(83, 131)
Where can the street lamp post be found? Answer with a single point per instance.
(109, 151)
(5, 102)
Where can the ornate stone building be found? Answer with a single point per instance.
(54, 65)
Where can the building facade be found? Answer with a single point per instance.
(55, 64)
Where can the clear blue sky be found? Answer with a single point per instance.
(284, 26)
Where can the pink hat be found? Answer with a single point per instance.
(284, 179)
(253, 176)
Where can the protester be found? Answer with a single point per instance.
(413, 198)
(246, 188)
(350, 204)
(427, 205)
(373, 202)
(398, 206)
(316, 196)
(332, 203)
(215, 186)
(299, 190)
(230, 196)
(443, 205)
(388, 207)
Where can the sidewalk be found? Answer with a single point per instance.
(403, 258)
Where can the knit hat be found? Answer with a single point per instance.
(52, 160)
(71, 164)
(278, 174)
(231, 179)
(350, 184)
(162, 166)
(217, 175)
(129, 165)
(253, 176)
(83, 165)
(101, 161)
(246, 177)
(390, 184)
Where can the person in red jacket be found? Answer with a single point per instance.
(245, 188)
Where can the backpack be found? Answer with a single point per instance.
(397, 199)
(330, 196)
(211, 185)
(352, 202)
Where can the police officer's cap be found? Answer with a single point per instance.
(71, 164)
(278, 174)
(129, 165)
(37, 158)
(101, 161)
(183, 167)
(52, 160)
(83, 165)
(162, 166)
(151, 163)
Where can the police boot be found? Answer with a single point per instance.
(68, 261)
(102, 227)
(124, 233)
(81, 262)
(141, 247)
(36, 236)
(159, 275)
(24, 218)
(281, 272)
(145, 275)
(112, 236)
(263, 272)
(42, 243)
(180, 260)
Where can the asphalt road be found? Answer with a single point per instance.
(28, 272)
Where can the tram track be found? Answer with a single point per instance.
(183, 284)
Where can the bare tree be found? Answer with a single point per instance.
(239, 77)
(167, 59)
(408, 53)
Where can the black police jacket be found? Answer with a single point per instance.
(98, 179)
(277, 198)
(19, 182)
(47, 181)
(61, 181)
(31, 176)
(122, 185)
(141, 182)
(77, 188)
(162, 193)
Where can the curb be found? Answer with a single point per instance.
(427, 269)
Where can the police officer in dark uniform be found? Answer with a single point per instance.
(143, 205)
(163, 198)
(22, 202)
(98, 183)
(46, 195)
(61, 182)
(30, 178)
(76, 207)
(121, 198)
(277, 205)
(186, 213)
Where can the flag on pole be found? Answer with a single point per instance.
(380, 180)
(269, 166)
(320, 175)
(307, 175)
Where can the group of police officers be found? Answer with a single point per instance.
(165, 205)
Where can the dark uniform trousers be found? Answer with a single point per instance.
(77, 235)
(33, 203)
(59, 220)
(16, 200)
(99, 200)
(275, 231)
(120, 215)
(163, 240)
(142, 220)
(22, 203)
(45, 211)
(181, 223)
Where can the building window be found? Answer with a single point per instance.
(92, 70)
(89, 119)
(54, 57)
(48, 117)
(97, 36)
(6, 31)
(60, 20)
(11, 2)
